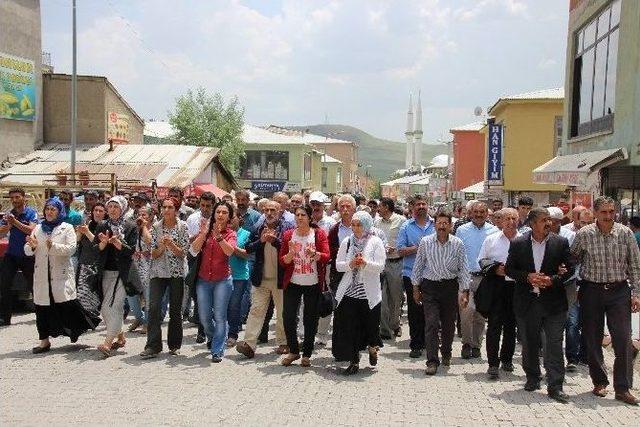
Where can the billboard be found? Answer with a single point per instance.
(118, 127)
(17, 88)
(494, 155)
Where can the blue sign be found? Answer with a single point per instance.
(494, 156)
(267, 186)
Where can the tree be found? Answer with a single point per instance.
(207, 120)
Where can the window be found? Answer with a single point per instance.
(266, 165)
(595, 66)
(558, 132)
(324, 178)
(339, 179)
(307, 166)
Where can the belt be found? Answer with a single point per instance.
(455, 279)
(394, 259)
(477, 273)
(608, 285)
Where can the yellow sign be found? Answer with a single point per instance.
(118, 127)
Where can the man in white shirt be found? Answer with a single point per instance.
(501, 320)
(200, 218)
(575, 217)
(392, 288)
(556, 215)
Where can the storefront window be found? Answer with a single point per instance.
(339, 179)
(307, 167)
(324, 178)
(266, 165)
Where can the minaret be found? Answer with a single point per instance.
(409, 135)
(417, 134)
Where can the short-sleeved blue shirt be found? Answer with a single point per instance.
(409, 235)
(240, 266)
(17, 238)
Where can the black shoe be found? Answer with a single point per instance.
(398, 332)
(351, 369)
(432, 368)
(466, 351)
(38, 349)
(559, 396)
(446, 360)
(507, 366)
(571, 367)
(216, 359)
(532, 385)
(147, 353)
(201, 338)
(373, 358)
(493, 373)
(415, 353)
(74, 339)
(475, 353)
(208, 345)
(4, 322)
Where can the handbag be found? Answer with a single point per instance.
(326, 302)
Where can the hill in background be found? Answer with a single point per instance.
(383, 155)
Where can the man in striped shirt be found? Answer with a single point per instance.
(439, 272)
(610, 271)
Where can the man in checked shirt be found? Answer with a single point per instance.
(610, 271)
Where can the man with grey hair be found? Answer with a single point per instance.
(266, 278)
(501, 319)
(574, 225)
(473, 235)
(610, 269)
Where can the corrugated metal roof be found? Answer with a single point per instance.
(170, 165)
(581, 162)
(477, 188)
(405, 180)
(554, 93)
(475, 126)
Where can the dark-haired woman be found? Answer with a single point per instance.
(214, 285)
(169, 245)
(304, 254)
(88, 273)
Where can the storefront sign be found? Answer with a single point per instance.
(494, 155)
(17, 88)
(470, 196)
(267, 186)
(118, 127)
(570, 179)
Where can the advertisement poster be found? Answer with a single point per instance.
(118, 127)
(17, 88)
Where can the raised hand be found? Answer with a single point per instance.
(103, 238)
(32, 241)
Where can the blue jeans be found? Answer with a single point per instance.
(213, 303)
(574, 348)
(235, 310)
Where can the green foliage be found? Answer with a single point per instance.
(376, 193)
(207, 120)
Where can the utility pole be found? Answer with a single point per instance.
(74, 101)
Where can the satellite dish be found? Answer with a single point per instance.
(477, 111)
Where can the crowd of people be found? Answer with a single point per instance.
(337, 271)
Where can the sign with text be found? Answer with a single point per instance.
(267, 186)
(494, 155)
(17, 88)
(118, 127)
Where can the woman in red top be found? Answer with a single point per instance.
(214, 285)
(304, 254)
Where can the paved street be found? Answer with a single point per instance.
(73, 384)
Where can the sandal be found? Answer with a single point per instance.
(106, 351)
(289, 359)
(305, 362)
(373, 356)
(118, 344)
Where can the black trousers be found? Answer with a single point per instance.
(157, 289)
(531, 323)
(440, 306)
(615, 302)
(416, 317)
(10, 266)
(501, 322)
(293, 294)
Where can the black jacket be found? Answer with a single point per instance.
(255, 246)
(124, 257)
(520, 263)
(483, 296)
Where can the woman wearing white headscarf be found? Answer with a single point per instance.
(116, 238)
(357, 318)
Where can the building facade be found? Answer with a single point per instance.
(600, 151)
(532, 129)
(469, 154)
(20, 76)
(103, 114)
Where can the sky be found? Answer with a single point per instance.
(304, 62)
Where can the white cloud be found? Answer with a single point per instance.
(547, 63)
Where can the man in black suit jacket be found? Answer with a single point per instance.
(540, 263)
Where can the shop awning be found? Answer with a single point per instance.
(198, 189)
(477, 188)
(573, 169)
